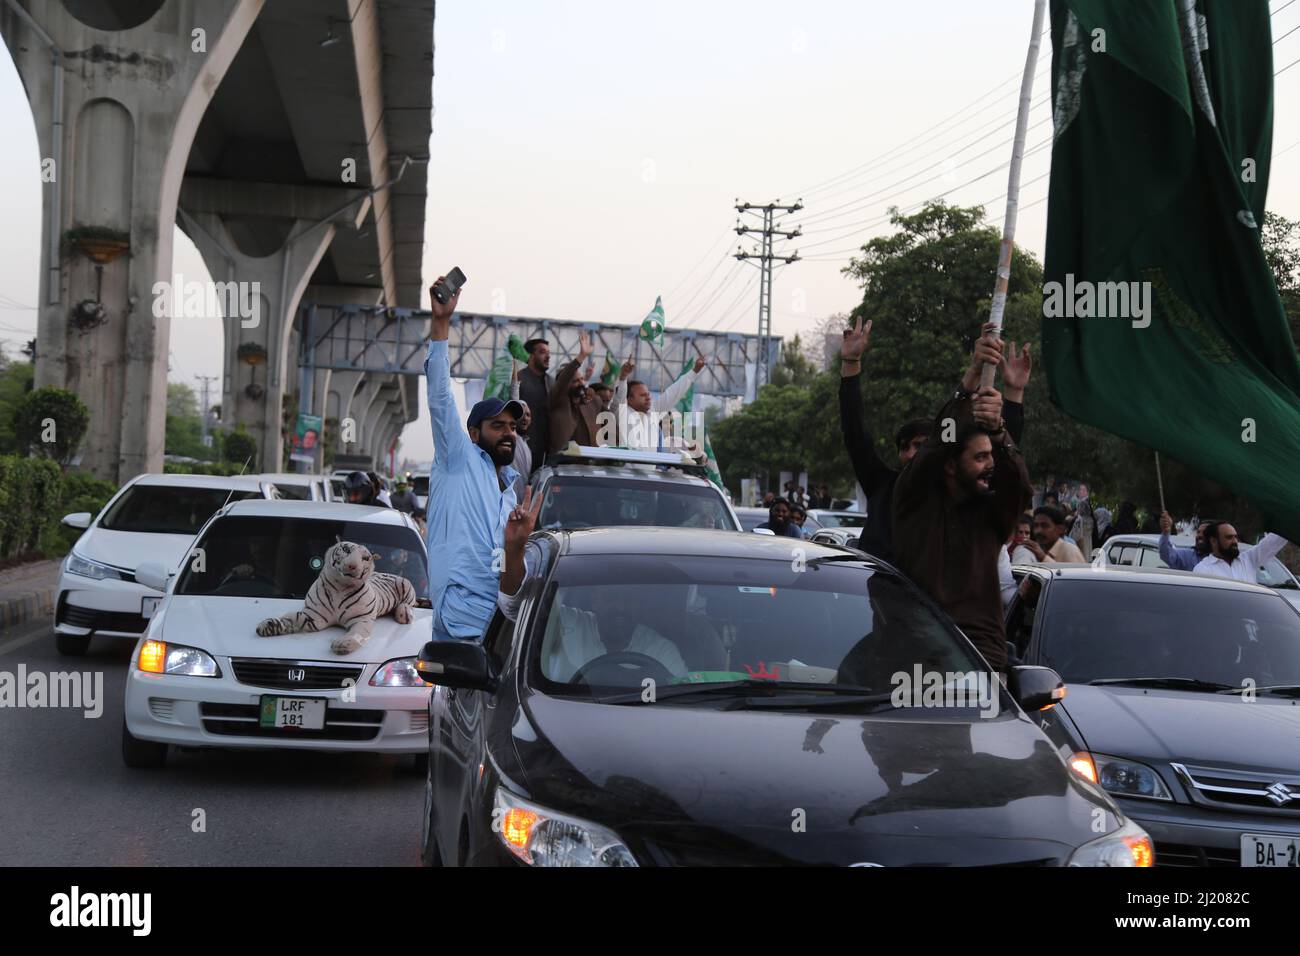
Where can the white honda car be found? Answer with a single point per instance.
(201, 676)
(151, 518)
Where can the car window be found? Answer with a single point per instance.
(1151, 558)
(578, 502)
(843, 521)
(716, 620)
(1112, 555)
(246, 556)
(1113, 629)
(294, 492)
(1128, 555)
(420, 485)
(167, 509)
(1275, 575)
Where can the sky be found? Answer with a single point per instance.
(587, 154)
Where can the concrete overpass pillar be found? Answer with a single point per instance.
(343, 388)
(377, 408)
(254, 394)
(116, 105)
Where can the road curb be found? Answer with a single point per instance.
(25, 607)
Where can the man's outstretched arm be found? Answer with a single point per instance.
(869, 470)
(450, 440)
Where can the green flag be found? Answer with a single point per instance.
(609, 373)
(1161, 321)
(652, 326)
(687, 402)
(503, 367)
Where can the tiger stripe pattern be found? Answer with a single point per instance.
(350, 594)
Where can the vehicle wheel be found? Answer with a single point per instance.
(142, 754)
(429, 852)
(72, 645)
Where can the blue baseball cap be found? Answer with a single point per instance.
(491, 408)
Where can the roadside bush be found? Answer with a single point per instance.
(30, 500)
(51, 422)
(82, 491)
(238, 447)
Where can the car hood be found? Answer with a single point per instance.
(227, 627)
(1196, 727)
(691, 784)
(130, 549)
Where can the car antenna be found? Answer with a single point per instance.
(247, 462)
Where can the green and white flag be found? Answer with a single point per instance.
(1161, 319)
(609, 373)
(503, 367)
(687, 402)
(652, 326)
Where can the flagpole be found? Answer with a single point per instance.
(1160, 484)
(1013, 184)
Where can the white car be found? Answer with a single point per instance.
(301, 486)
(201, 677)
(151, 518)
(1143, 551)
(420, 488)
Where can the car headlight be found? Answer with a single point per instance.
(159, 657)
(1124, 778)
(542, 837)
(91, 569)
(399, 673)
(1128, 846)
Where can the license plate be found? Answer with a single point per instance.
(1263, 850)
(147, 606)
(300, 713)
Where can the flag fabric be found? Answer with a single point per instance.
(609, 373)
(503, 368)
(686, 404)
(1161, 319)
(652, 326)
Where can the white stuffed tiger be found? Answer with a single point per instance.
(350, 594)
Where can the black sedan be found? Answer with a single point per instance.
(679, 697)
(1184, 703)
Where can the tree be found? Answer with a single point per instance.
(50, 423)
(184, 435)
(15, 382)
(794, 366)
(1280, 238)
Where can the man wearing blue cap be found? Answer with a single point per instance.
(470, 494)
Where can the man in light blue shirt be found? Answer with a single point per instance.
(470, 495)
(1181, 559)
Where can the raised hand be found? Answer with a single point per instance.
(699, 364)
(986, 409)
(987, 351)
(855, 340)
(628, 368)
(523, 519)
(1016, 367)
(1166, 523)
(584, 347)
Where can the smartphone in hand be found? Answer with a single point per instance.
(449, 286)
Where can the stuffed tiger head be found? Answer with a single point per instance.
(348, 564)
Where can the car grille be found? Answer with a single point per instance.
(1274, 794)
(122, 621)
(242, 720)
(1184, 854)
(294, 675)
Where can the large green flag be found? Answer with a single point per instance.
(652, 326)
(503, 366)
(1161, 321)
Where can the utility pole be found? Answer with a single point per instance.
(765, 259)
(203, 417)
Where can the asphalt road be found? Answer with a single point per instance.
(66, 798)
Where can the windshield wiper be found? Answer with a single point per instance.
(1279, 690)
(730, 688)
(823, 701)
(1177, 683)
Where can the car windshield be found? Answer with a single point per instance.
(247, 556)
(574, 502)
(167, 509)
(1275, 575)
(293, 492)
(715, 620)
(841, 520)
(749, 520)
(1097, 630)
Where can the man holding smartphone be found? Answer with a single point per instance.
(471, 493)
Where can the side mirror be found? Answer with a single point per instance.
(462, 664)
(767, 531)
(152, 575)
(80, 520)
(1035, 688)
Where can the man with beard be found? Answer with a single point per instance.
(955, 505)
(1182, 559)
(778, 520)
(471, 494)
(573, 414)
(535, 388)
(1227, 559)
(874, 476)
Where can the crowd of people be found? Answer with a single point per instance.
(953, 515)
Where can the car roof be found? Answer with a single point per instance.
(696, 542)
(286, 477)
(625, 472)
(323, 510)
(225, 482)
(1182, 540)
(1128, 573)
(844, 512)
